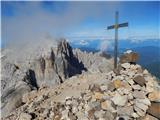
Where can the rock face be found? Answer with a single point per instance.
(55, 67)
(93, 98)
(94, 62)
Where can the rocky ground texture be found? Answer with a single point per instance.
(130, 93)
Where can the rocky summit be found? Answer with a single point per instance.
(132, 94)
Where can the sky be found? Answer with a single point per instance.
(23, 22)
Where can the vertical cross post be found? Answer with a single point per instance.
(116, 40)
(116, 26)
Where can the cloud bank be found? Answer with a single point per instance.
(31, 22)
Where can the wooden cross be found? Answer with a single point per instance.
(116, 26)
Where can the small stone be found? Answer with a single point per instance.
(139, 80)
(136, 87)
(127, 110)
(65, 114)
(68, 102)
(135, 115)
(104, 105)
(117, 83)
(139, 111)
(74, 109)
(99, 114)
(149, 88)
(130, 81)
(98, 95)
(131, 74)
(130, 96)
(103, 88)
(138, 94)
(119, 99)
(125, 65)
(154, 96)
(39, 98)
(25, 116)
(145, 72)
(144, 101)
(109, 115)
(141, 105)
(111, 86)
(94, 105)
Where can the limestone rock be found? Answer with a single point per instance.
(140, 105)
(25, 116)
(126, 110)
(125, 65)
(139, 111)
(138, 94)
(98, 95)
(119, 99)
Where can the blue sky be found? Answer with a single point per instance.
(29, 21)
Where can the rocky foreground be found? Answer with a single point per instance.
(129, 94)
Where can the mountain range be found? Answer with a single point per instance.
(148, 50)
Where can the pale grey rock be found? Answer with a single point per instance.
(104, 88)
(135, 115)
(139, 94)
(65, 114)
(145, 101)
(25, 116)
(139, 111)
(99, 114)
(125, 65)
(119, 99)
(140, 105)
(126, 110)
(136, 87)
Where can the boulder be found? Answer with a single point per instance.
(131, 57)
(154, 109)
(139, 80)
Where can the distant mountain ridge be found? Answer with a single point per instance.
(149, 52)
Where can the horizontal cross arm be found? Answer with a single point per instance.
(110, 27)
(123, 24)
(119, 25)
